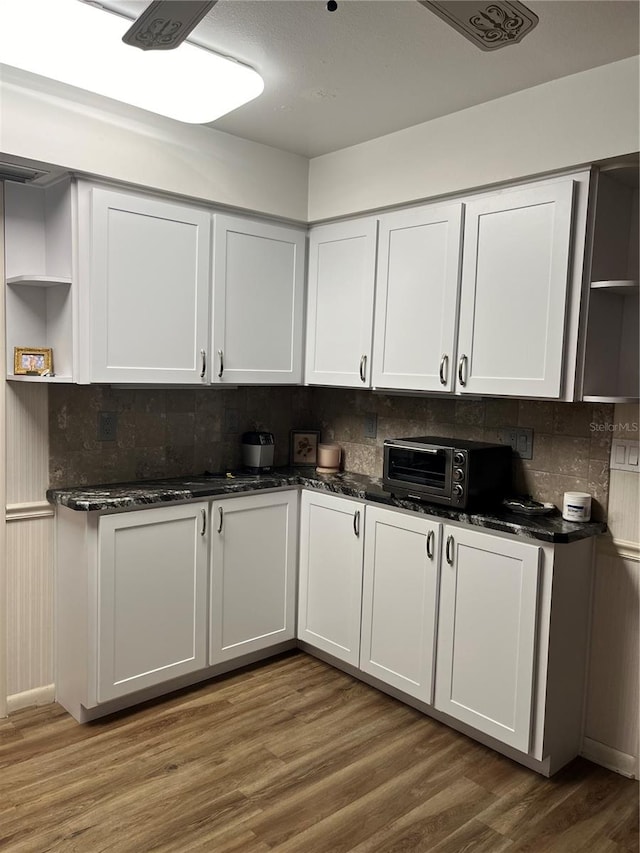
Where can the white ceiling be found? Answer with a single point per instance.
(333, 79)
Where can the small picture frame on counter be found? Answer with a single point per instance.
(33, 361)
(303, 447)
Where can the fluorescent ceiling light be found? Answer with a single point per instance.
(74, 43)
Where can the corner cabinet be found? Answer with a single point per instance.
(341, 282)
(330, 583)
(253, 573)
(258, 297)
(144, 283)
(513, 305)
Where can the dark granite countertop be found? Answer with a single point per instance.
(550, 528)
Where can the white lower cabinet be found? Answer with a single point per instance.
(487, 633)
(399, 602)
(330, 593)
(151, 597)
(253, 574)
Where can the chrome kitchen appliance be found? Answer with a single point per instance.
(449, 471)
(257, 451)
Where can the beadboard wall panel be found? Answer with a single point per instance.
(29, 534)
(612, 701)
(29, 605)
(27, 442)
(3, 473)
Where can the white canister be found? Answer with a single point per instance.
(576, 506)
(329, 458)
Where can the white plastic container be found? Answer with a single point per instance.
(576, 506)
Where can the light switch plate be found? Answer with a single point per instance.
(624, 455)
(370, 425)
(520, 439)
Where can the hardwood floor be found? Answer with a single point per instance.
(293, 756)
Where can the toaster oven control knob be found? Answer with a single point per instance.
(458, 474)
(458, 491)
(458, 458)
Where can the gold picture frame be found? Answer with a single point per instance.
(32, 361)
(303, 447)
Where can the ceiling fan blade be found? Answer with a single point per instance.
(488, 25)
(165, 24)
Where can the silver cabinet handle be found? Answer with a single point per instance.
(203, 529)
(449, 552)
(356, 522)
(220, 519)
(444, 362)
(203, 356)
(221, 356)
(430, 539)
(462, 364)
(363, 368)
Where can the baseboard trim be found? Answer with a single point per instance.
(31, 698)
(622, 548)
(612, 759)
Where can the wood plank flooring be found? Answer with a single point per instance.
(292, 756)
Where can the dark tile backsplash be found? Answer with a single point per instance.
(167, 433)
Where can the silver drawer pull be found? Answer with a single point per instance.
(221, 357)
(363, 368)
(220, 519)
(430, 539)
(444, 362)
(462, 365)
(203, 529)
(356, 522)
(449, 552)
(203, 356)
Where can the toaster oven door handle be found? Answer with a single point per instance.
(449, 551)
(221, 357)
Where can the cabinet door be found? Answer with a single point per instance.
(330, 593)
(342, 266)
(152, 603)
(417, 298)
(257, 302)
(149, 290)
(515, 273)
(400, 593)
(486, 634)
(253, 573)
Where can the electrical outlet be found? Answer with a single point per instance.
(520, 440)
(370, 425)
(231, 421)
(107, 426)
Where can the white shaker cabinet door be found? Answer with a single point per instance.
(342, 268)
(399, 600)
(487, 632)
(253, 573)
(258, 292)
(330, 592)
(515, 273)
(417, 298)
(148, 297)
(152, 602)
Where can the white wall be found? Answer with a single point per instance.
(569, 122)
(149, 150)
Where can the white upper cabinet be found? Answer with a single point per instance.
(258, 275)
(146, 291)
(417, 298)
(515, 275)
(342, 262)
